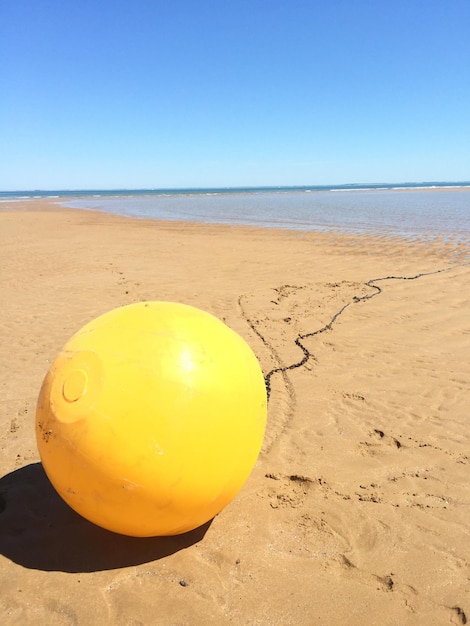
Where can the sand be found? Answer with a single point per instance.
(357, 511)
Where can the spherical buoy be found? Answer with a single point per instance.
(151, 418)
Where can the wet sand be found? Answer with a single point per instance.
(357, 510)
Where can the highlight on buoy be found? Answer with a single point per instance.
(151, 418)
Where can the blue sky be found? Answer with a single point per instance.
(148, 94)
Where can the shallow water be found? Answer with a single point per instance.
(400, 213)
(411, 212)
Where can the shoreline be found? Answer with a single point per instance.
(460, 240)
(357, 508)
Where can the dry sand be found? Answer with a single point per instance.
(357, 511)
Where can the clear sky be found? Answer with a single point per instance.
(184, 93)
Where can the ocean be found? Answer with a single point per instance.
(410, 210)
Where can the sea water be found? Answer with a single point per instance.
(410, 210)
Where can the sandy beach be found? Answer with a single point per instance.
(357, 511)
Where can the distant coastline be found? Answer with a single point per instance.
(81, 193)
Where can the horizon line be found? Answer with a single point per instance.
(239, 187)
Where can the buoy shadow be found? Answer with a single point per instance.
(39, 531)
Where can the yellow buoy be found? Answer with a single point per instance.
(151, 418)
